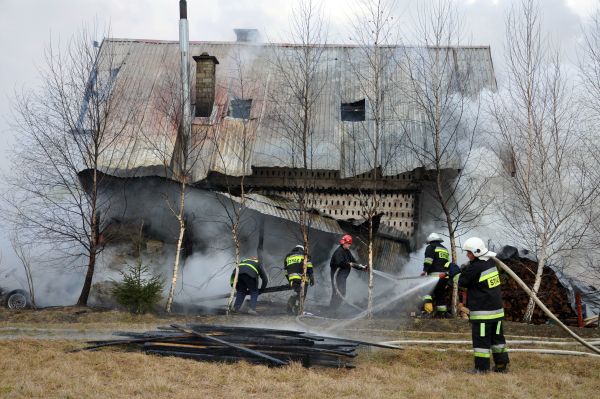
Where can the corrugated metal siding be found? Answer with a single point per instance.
(335, 145)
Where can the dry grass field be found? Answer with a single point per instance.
(35, 367)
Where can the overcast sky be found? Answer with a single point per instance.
(26, 27)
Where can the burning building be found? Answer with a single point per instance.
(242, 110)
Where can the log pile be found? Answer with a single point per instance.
(552, 293)
(215, 343)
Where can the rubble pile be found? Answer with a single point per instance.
(216, 343)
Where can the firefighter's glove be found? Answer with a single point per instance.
(358, 266)
(423, 274)
(428, 307)
(311, 279)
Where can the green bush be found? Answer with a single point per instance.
(139, 291)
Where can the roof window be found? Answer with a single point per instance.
(240, 108)
(353, 112)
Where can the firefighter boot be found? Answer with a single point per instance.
(500, 368)
(476, 371)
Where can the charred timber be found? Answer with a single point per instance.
(272, 347)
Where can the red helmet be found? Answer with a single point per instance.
(347, 239)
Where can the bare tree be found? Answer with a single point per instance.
(66, 133)
(300, 71)
(370, 143)
(179, 146)
(442, 135)
(589, 112)
(234, 143)
(548, 190)
(589, 69)
(24, 254)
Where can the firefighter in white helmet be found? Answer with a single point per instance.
(486, 312)
(436, 264)
(294, 272)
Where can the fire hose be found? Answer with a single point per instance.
(378, 273)
(335, 287)
(542, 306)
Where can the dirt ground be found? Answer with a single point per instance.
(34, 362)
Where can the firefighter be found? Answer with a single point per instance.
(294, 272)
(480, 277)
(436, 264)
(341, 262)
(250, 270)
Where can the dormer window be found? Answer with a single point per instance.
(353, 112)
(240, 108)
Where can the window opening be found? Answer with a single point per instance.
(240, 108)
(353, 112)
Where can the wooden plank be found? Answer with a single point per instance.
(125, 342)
(238, 347)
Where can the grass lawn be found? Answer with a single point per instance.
(41, 368)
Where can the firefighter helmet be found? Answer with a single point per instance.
(477, 247)
(300, 247)
(347, 239)
(433, 237)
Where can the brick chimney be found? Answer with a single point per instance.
(205, 83)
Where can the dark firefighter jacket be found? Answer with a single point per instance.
(341, 259)
(437, 259)
(482, 281)
(253, 268)
(294, 265)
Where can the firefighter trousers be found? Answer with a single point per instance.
(294, 300)
(488, 341)
(246, 285)
(340, 281)
(437, 299)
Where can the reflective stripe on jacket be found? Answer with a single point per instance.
(437, 258)
(253, 268)
(482, 280)
(294, 265)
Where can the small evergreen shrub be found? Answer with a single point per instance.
(139, 291)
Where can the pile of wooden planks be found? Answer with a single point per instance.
(217, 343)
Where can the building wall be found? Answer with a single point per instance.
(340, 198)
(398, 208)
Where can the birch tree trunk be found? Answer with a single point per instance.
(370, 298)
(536, 286)
(181, 220)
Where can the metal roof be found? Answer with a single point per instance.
(147, 66)
(285, 209)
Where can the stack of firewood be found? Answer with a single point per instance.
(552, 293)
